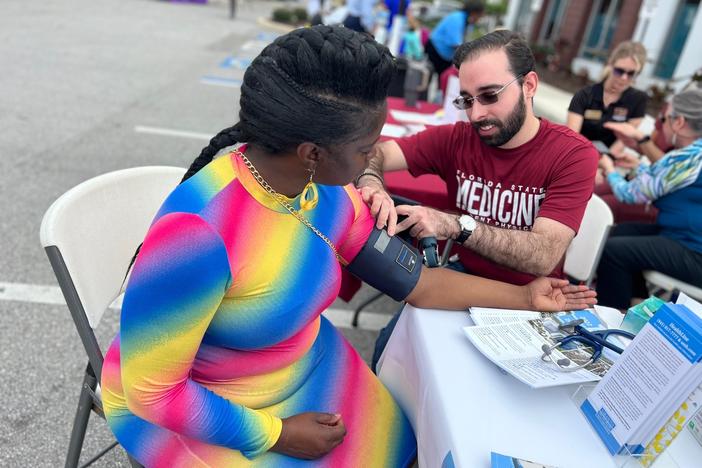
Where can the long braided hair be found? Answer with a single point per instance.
(315, 84)
(321, 84)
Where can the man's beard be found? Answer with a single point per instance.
(507, 130)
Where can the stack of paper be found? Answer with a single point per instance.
(513, 339)
(657, 372)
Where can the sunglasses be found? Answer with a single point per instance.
(486, 98)
(620, 72)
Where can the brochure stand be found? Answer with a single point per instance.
(625, 459)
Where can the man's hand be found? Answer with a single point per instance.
(381, 205)
(553, 295)
(310, 435)
(427, 222)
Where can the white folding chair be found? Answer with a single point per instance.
(665, 283)
(585, 249)
(90, 235)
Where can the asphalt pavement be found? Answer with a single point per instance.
(87, 87)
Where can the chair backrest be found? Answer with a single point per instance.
(585, 249)
(95, 227)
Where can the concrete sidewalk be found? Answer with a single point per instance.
(552, 103)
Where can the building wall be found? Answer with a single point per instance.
(573, 28)
(538, 21)
(626, 24)
(654, 23)
(691, 59)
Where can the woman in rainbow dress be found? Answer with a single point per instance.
(223, 358)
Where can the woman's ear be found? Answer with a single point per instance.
(309, 154)
(678, 123)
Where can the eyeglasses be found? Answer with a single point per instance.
(620, 72)
(486, 98)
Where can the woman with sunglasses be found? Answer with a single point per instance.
(673, 183)
(614, 99)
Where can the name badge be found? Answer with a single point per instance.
(619, 114)
(593, 114)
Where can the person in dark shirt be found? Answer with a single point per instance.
(612, 100)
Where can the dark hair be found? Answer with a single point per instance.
(313, 84)
(473, 6)
(469, 7)
(521, 60)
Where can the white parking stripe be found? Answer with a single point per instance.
(218, 81)
(40, 294)
(172, 132)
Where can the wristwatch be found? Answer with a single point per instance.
(467, 226)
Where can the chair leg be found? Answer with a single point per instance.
(80, 422)
(134, 463)
(358, 310)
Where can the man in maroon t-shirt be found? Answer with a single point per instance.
(523, 182)
(519, 184)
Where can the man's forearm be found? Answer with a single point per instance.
(526, 251)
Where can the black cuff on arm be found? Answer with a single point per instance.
(388, 264)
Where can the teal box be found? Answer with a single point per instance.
(637, 316)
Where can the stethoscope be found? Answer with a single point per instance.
(597, 340)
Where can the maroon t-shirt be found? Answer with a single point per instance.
(551, 176)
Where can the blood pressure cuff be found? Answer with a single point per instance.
(388, 264)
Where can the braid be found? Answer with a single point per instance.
(227, 137)
(309, 85)
(338, 105)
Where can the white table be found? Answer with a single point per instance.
(460, 402)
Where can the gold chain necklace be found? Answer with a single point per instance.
(281, 199)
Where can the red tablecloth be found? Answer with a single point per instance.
(429, 190)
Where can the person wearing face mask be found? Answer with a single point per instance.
(519, 183)
(673, 183)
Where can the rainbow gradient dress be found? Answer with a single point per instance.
(221, 334)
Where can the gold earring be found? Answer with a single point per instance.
(310, 195)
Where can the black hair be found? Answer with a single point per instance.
(316, 84)
(473, 6)
(519, 55)
(469, 7)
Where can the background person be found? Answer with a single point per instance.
(361, 15)
(614, 99)
(450, 33)
(222, 357)
(673, 245)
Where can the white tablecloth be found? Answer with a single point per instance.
(460, 403)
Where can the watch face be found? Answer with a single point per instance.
(467, 223)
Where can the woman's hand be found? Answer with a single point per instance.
(606, 164)
(627, 160)
(381, 205)
(310, 435)
(626, 133)
(552, 295)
